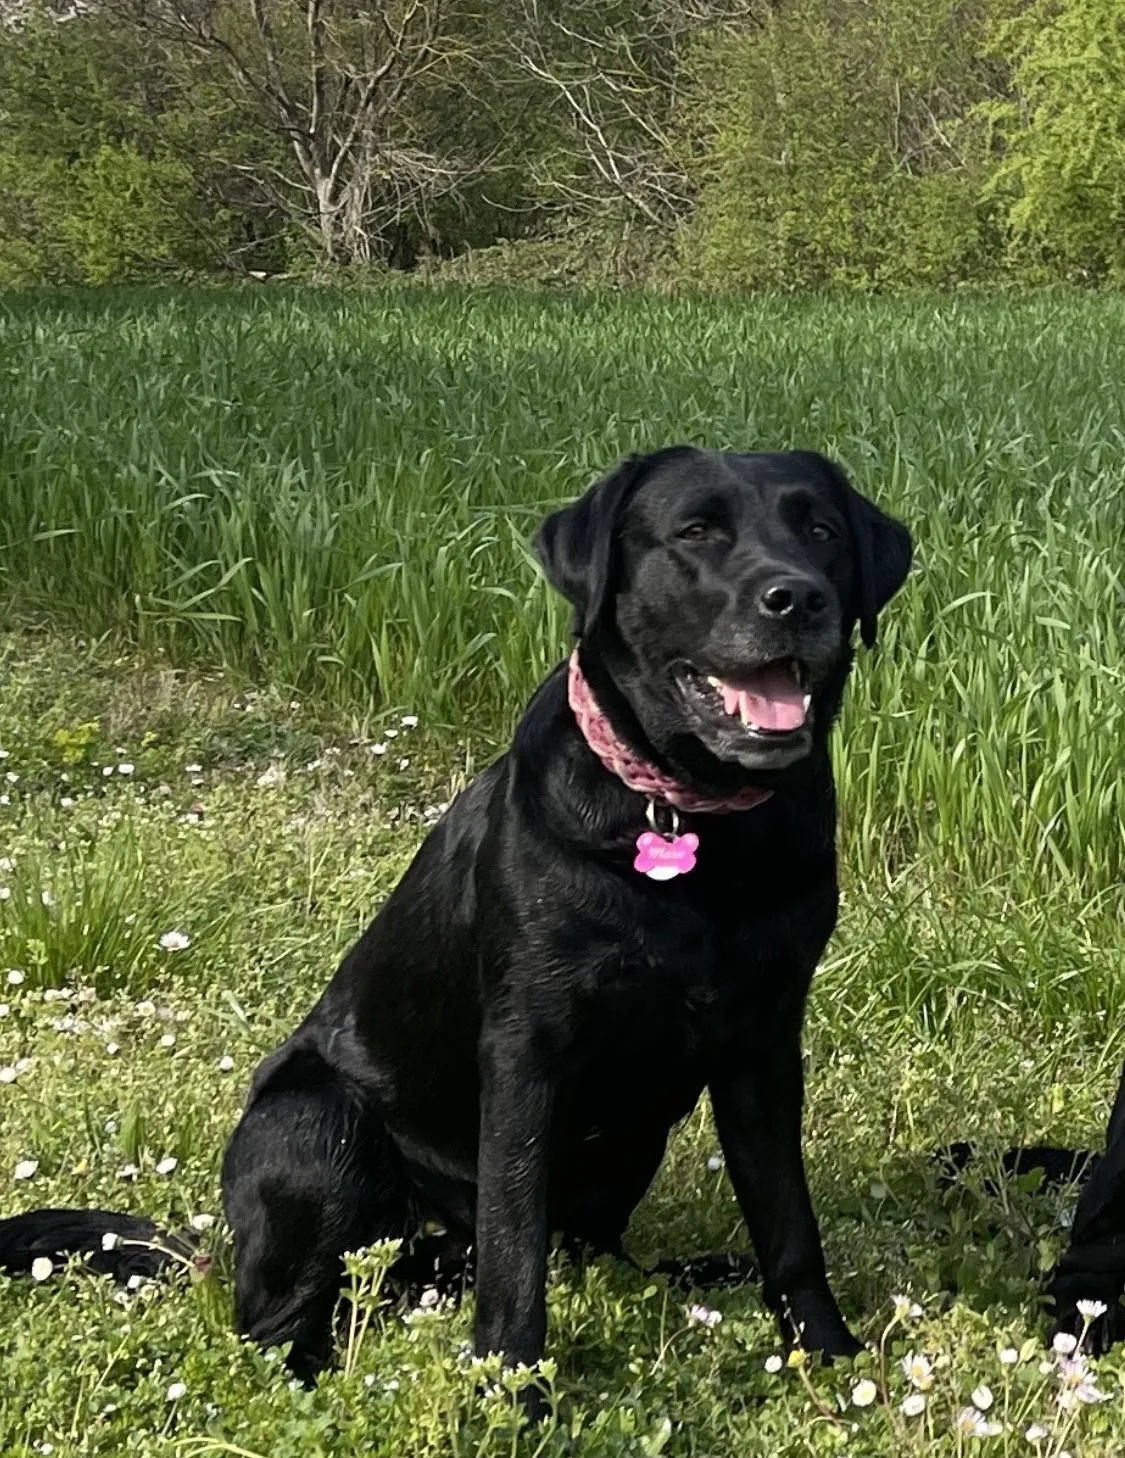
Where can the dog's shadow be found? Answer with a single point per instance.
(986, 1226)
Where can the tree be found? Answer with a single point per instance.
(614, 73)
(1062, 132)
(91, 187)
(334, 81)
(835, 144)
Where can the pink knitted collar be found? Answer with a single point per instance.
(630, 768)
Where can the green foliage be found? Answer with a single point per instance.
(831, 148)
(588, 256)
(90, 188)
(1063, 161)
(812, 144)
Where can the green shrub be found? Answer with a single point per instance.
(1063, 132)
(833, 148)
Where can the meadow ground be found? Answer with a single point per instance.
(243, 536)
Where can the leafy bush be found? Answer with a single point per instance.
(90, 186)
(833, 148)
(1063, 163)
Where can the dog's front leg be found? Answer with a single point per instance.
(757, 1097)
(511, 1227)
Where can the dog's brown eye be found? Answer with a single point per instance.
(820, 531)
(695, 531)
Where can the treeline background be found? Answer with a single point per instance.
(719, 144)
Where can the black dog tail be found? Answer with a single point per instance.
(1059, 1166)
(116, 1245)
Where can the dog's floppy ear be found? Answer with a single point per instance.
(578, 545)
(883, 549)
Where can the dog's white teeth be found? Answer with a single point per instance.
(714, 682)
(807, 701)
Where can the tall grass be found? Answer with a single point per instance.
(334, 491)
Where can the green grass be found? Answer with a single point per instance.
(249, 532)
(333, 492)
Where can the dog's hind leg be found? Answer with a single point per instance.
(601, 1180)
(310, 1173)
(596, 1182)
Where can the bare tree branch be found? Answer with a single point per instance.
(334, 79)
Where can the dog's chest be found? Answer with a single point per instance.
(664, 992)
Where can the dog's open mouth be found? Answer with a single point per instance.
(772, 701)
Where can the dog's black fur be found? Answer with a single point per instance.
(507, 1047)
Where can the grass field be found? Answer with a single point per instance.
(243, 535)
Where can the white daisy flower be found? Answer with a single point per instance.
(41, 1268)
(167, 1164)
(774, 1363)
(175, 941)
(864, 1393)
(176, 1391)
(913, 1404)
(918, 1370)
(26, 1169)
(973, 1424)
(701, 1315)
(226, 1063)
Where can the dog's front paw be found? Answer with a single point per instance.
(811, 1320)
(1085, 1292)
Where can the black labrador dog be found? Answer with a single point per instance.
(627, 908)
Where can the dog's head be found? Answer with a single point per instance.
(719, 592)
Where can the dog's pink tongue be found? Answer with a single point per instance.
(770, 699)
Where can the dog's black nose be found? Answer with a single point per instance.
(792, 597)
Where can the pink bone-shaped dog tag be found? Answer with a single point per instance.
(661, 859)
